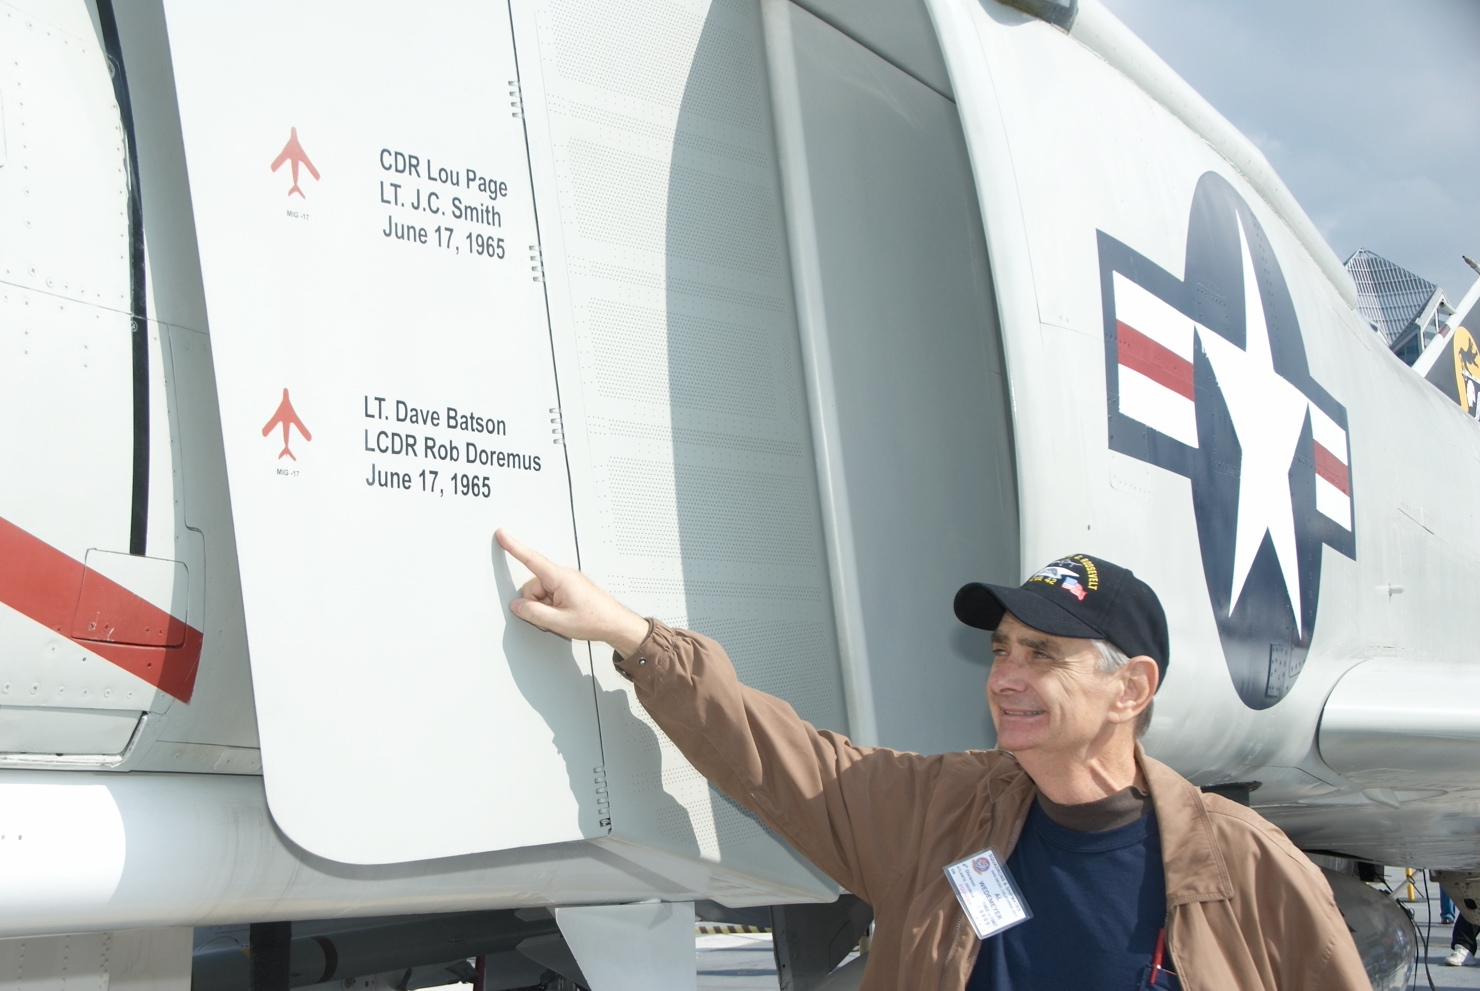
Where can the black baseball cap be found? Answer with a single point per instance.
(1077, 596)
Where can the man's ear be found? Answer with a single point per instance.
(1140, 678)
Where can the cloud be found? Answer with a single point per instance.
(1368, 109)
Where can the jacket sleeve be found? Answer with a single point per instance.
(1341, 970)
(1338, 966)
(1286, 900)
(853, 811)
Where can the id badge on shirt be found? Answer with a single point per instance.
(987, 893)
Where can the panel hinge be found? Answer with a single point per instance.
(558, 428)
(537, 262)
(516, 99)
(603, 800)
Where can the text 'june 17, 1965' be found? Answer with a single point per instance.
(455, 210)
(437, 448)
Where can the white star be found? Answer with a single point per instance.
(1268, 415)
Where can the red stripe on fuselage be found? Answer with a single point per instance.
(1331, 468)
(42, 583)
(1152, 359)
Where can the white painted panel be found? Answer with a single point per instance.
(1152, 316)
(1157, 406)
(37, 730)
(65, 372)
(60, 845)
(360, 268)
(1333, 502)
(41, 667)
(64, 157)
(1328, 434)
(66, 369)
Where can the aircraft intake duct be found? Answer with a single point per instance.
(1390, 723)
(1382, 930)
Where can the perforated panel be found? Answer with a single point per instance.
(776, 658)
(923, 423)
(624, 339)
(687, 423)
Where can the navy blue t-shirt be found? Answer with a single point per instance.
(1098, 901)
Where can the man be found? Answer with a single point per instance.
(1133, 878)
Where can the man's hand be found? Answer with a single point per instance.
(564, 601)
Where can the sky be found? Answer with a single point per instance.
(1368, 109)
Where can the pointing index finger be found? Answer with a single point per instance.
(542, 567)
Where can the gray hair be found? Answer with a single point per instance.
(1112, 659)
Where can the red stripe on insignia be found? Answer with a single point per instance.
(1331, 468)
(1154, 360)
(42, 583)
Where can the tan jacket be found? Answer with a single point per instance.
(1245, 909)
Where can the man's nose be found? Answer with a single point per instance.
(1006, 675)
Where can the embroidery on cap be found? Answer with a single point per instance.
(1091, 573)
(1072, 586)
(1054, 573)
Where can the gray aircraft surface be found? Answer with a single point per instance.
(783, 319)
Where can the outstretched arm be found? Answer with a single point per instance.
(564, 601)
(850, 810)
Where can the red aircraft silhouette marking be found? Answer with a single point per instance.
(295, 156)
(286, 416)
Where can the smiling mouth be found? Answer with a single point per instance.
(1023, 712)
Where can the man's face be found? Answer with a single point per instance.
(1046, 693)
